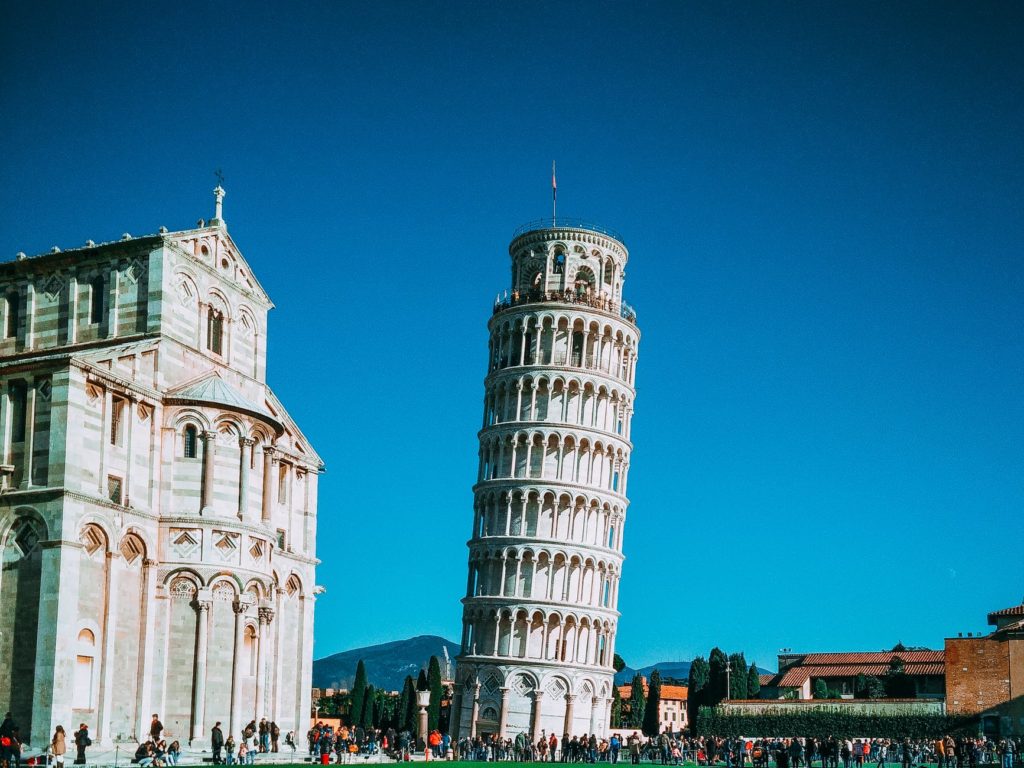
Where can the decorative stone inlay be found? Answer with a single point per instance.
(53, 286)
(256, 548)
(226, 544)
(131, 549)
(134, 271)
(182, 589)
(223, 592)
(92, 540)
(185, 541)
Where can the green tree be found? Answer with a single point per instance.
(753, 682)
(636, 701)
(369, 702)
(403, 703)
(616, 707)
(618, 663)
(358, 695)
(820, 689)
(651, 724)
(697, 683)
(737, 676)
(421, 681)
(718, 685)
(407, 717)
(868, 687)
(898, 684)
(436, 692)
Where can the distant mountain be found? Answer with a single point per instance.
(679, 670)
(387, 664)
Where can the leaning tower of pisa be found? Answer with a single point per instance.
(545, 555)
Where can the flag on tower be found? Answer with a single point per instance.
(554, 192)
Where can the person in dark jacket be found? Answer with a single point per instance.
(217, 743)
(82, 741)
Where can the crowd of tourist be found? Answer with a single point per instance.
(678, 749)
(327, 744)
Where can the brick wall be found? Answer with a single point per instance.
(977, 674)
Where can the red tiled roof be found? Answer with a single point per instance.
(794, 677)
(766, 679)
(875, 657)
(1017, 610)
(672, 692)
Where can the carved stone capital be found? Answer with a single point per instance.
(266, 615)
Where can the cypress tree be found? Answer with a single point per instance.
(358, 695)
(737, 676)
(652, 720)
(616, 707)
(753, 682)
(717, 684)
(407, 717)
(403, 703)
(369, 700)
(636, 701)
(421, 682)
(436, 692)
(696, 688)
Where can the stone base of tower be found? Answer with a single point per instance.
(519, 696)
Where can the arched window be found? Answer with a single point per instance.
(559, 265)
(215, 331)
(13, 310)
(191, 443)
(609, 271)
(96, 299)
(85, 678)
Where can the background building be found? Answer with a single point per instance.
(545, 551)
(671, 707)
(985, 675)
(923, 673)
(157, 504)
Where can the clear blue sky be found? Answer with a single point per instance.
(823, 204)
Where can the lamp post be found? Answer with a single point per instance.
(728, 687)
(423, 701)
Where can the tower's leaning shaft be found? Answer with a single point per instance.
(545, 554)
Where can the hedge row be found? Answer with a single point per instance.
(823, 724)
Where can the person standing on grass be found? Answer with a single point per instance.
(217, 742)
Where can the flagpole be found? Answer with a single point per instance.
(554, 195)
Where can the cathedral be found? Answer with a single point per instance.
(157, 502)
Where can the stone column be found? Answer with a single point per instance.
(475, 715)
(593, 714)
(538, 701)
(268, 483)
(503, 714)
(278, 661)
(130, 404)
(235, 722)
(209, 452)
(109, 662)
(266, 616)
(30, 435)
(147, 641)
(570, 701)
(456, 715)
(246, 444)
(202, 605)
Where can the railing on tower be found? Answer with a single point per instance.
(565, 222)
(515, 299)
